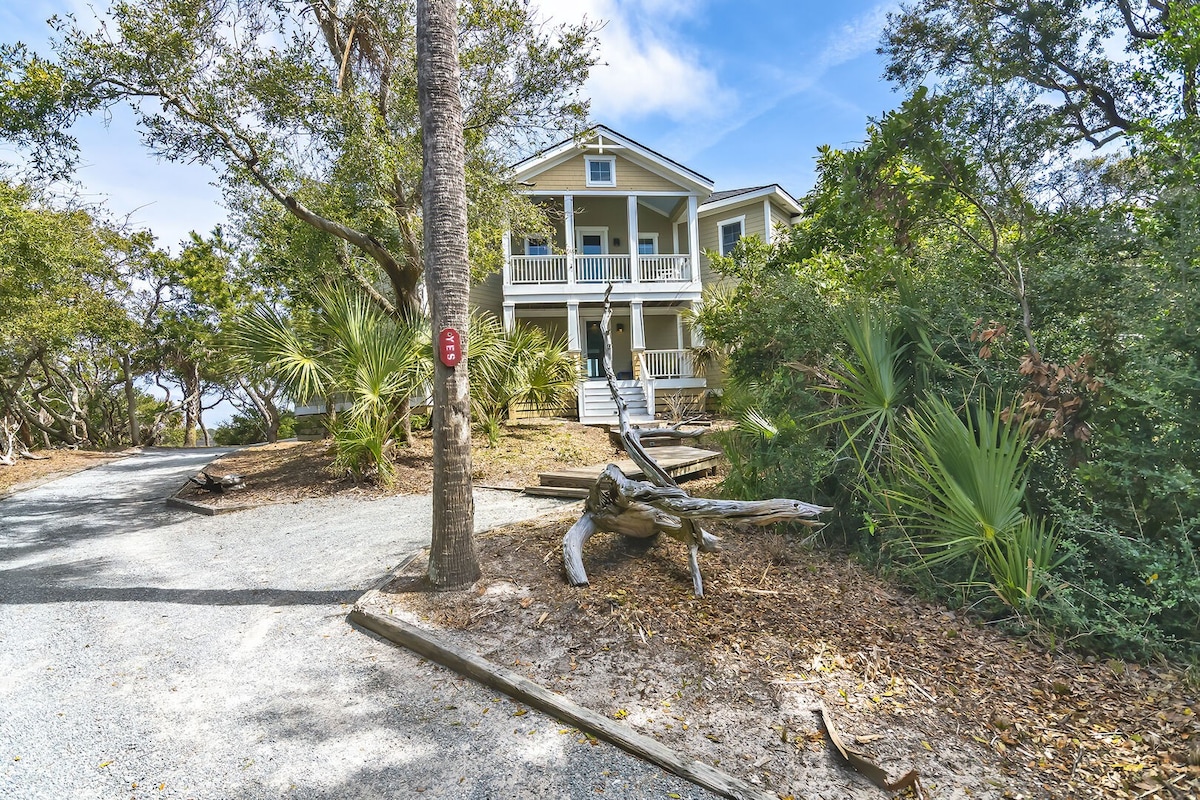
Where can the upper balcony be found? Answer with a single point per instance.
(615, 239)
(599, 269)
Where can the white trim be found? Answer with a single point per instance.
(506, 269)
(573, 326)
(612, 170)
(582, 231)
(653, 236)
(694, 238)
(569, 234)
(721, 233)
(637, 326)
(774, 191)
(649, 207)
(636, 153)
(675, 236)
(767, 220)
(598, 193)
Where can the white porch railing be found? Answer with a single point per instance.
(663, 268)
(609, 268)
(669, 364)
(602, 269)
(538, 269)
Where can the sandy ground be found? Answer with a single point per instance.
(148, 653)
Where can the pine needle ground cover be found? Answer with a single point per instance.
(732, 679)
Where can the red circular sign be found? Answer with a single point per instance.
(450, 347)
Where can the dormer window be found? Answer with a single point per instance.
(601, 170)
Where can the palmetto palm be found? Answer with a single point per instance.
(523, 366)
(961, 489)
(870, 390)
(347, 352)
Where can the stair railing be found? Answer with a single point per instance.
(647, 383)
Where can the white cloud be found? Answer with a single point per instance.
(856, 38)
(643, 69)
(852, 40)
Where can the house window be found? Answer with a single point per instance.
(731, 230)
(647, 244)
(537, 246)
(601, 170)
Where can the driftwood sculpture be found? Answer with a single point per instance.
(644, 509)
(219, 485)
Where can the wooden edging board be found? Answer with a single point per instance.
(518, 687)
(208, 511)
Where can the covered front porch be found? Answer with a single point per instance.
(640, 242)
(652, 354)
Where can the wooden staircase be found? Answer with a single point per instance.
(680, 461)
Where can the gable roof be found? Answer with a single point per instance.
(599, 137)
(731, 197)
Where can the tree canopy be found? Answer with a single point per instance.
(311, 104)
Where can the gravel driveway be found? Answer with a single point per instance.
(150, 653)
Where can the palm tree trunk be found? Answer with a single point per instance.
(452, 559)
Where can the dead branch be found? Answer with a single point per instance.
(643, 510)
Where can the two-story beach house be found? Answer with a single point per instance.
(627, 216)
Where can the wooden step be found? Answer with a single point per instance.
(679, 461)
(557, 491)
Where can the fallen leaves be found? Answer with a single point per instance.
(920, 678)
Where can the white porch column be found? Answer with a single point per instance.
(506, 270)
(510, 317)
(697, 334)
(569, 236)
(635, 269)
(693, 237)
(767, 220)
(675, 238)
(573, 326)
(637, 326)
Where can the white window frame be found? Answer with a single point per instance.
(612, 170)
(589, 231)
(741, 220)
(653, 237)
(546, 239)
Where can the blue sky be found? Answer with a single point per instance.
(742, 91)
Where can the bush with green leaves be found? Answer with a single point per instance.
(524, 366)
(248, 427)
(347, 351)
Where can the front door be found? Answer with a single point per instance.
(590, 242)
(594, 341)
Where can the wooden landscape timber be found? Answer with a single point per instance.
(644, 509)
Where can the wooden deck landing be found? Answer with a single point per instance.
(680, 461)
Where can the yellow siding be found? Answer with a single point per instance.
(710, 235)
(631, 177)
(605, 212)
(661, 332)
(488, 295)
(687, 401)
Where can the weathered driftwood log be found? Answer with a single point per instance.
(219, 485)
(642, 509)
(673, 432)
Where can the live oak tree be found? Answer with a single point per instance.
(312, 104)
(1099, 68)
(61, 322)
(180, 308)
(452, 559)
